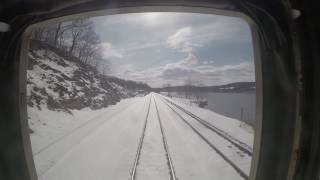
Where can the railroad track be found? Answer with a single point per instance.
(241, 145)
(165, 145)
(135, 164)
(172, 172)
(216, 149)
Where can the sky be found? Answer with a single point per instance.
(177, 48)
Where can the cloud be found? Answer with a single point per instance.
(142, 46)
(185, 42)
(231, 30)
(109, 52)
(190, 60)
(189, 69)
(178, 73)
(180, 40)
(228, 30)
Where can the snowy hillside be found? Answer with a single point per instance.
(61, 91)
(57, 84)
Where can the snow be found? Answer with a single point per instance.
(227, 88)
(52, 61)
(117, 86)
(107, 152)
(70, 144)
(56, 132)
(99, 97)
(233, 127)
(102, 144)
(241, 159)
(153, 162)
(36, 76)
(191, 156)
(56, 82)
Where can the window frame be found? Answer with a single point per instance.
(127, 10)
(278, 65)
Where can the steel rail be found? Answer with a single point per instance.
(135, 164)
(241, 173)
(165, 144)
(242, 146)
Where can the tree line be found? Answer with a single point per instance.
(129, 84)
(75, 39)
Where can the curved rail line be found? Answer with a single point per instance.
(241, 145)
(241, 173)
(165, 144)
(136, 160)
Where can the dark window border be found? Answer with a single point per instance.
(279, 83)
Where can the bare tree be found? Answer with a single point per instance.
(60, 29)
(188, 86)
(57, 34)
(48, 35)
(75, 38)
(167, 88)
(88, 45)
(77, 28)
(38, 33)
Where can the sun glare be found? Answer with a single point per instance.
(152, 18)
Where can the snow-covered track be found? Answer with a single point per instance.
(172, 172)
(135, 164)
(165, 145)
(241, 145)
(217, 150)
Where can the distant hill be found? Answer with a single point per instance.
(237, 87)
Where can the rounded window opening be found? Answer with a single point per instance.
(157, 95)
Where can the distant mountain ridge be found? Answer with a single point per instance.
(237, 87)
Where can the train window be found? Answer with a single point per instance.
(149, 95)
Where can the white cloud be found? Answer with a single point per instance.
(109, 52)
(180, 40)
(188, 69)
(178, 74)
(230, 30)
(190, 60)
(141, 46)
(183, 36)
(222, 30)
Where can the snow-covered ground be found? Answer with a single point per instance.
(55, 133)
(192, 157)
(244, 132)
(103, 144)
(233, 153)
(153, 162)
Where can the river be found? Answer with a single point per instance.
(235, 105)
